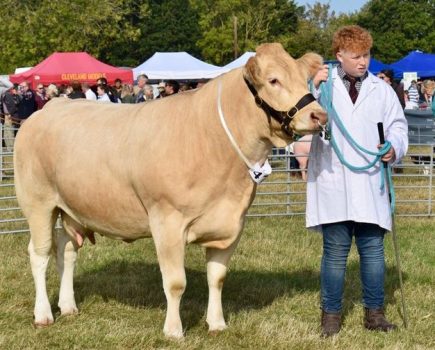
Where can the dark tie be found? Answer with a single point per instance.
(353, 92)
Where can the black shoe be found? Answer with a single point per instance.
(374, 320)
(330, 323)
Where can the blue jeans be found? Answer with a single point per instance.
(337, 239)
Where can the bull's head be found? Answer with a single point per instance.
(282, 82)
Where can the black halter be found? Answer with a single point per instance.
(282, 117)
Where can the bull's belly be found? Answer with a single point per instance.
(116, 224)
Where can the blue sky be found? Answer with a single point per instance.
(338, 6)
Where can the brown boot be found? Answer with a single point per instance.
(331, 323)
(374, 320)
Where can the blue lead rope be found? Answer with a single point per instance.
(326, 103)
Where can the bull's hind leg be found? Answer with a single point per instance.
(217, 261)
(41, 225)
(170, 247)
(65, 262)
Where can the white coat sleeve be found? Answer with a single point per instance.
(396, 127)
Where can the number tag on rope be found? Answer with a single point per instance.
(260, 172)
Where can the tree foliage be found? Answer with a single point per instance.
(316, 27)
(127, 32)
(34, 29)
(258, 21)
(399, 26)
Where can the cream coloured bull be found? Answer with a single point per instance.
(165, 169)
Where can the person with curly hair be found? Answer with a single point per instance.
(344, 203)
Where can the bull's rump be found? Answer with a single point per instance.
(108, 166)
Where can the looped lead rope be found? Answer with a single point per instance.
(326, 103)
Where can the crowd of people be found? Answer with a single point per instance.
(419, 94)
(19, 101)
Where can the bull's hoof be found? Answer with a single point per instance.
(214, 333)
(43, 323)
(174, 335)
(69, 310)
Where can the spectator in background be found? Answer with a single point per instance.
(426, 97)
(103, 93)
(27, 104)
(9, 102)
(413, 96)
(161, 90)
(51, 92)
(149, 92)
(171, 87)
(142, 80)
(90, 95)
(185, 87)
(63, 90)
(127, 94)
(76, 91)
(40, 96)
(118, 87)
(388, 76)
(113, 95)
(301, 149)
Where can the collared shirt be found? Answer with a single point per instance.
(341, 73)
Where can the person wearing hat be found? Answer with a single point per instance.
(9, 107)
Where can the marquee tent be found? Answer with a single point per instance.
(177, 66)
(417, 61)
(376, 66)
(64, 67)
(238, 62)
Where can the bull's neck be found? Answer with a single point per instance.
(245, 121)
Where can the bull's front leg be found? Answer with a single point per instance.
(66, 259)
(217, 261)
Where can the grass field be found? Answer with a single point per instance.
(271, 295)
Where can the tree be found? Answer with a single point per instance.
(314, 33)
(399, 26)
(258, 21)
(36, 29)
(171, 25)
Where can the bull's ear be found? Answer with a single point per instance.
(252, 70)
(311, 63)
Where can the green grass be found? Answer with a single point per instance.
(271, 295)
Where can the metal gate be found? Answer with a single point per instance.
(283, 194)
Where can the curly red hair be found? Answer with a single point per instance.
(352, 38)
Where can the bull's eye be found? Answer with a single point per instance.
(273, 81)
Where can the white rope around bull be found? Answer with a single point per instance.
(258, 172)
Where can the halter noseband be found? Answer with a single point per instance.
(282, 117)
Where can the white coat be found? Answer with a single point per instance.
(335, 193)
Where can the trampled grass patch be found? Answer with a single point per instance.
(270, 298)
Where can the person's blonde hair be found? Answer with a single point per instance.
(428, 86)
(51, 91)
(352, 38)
(126, 90)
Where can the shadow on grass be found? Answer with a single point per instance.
(140, 285)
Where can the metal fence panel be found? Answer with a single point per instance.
(282, 194)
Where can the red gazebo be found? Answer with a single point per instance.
(64, 67)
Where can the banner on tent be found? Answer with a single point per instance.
(82, 76)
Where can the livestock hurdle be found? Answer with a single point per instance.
(282, 194)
